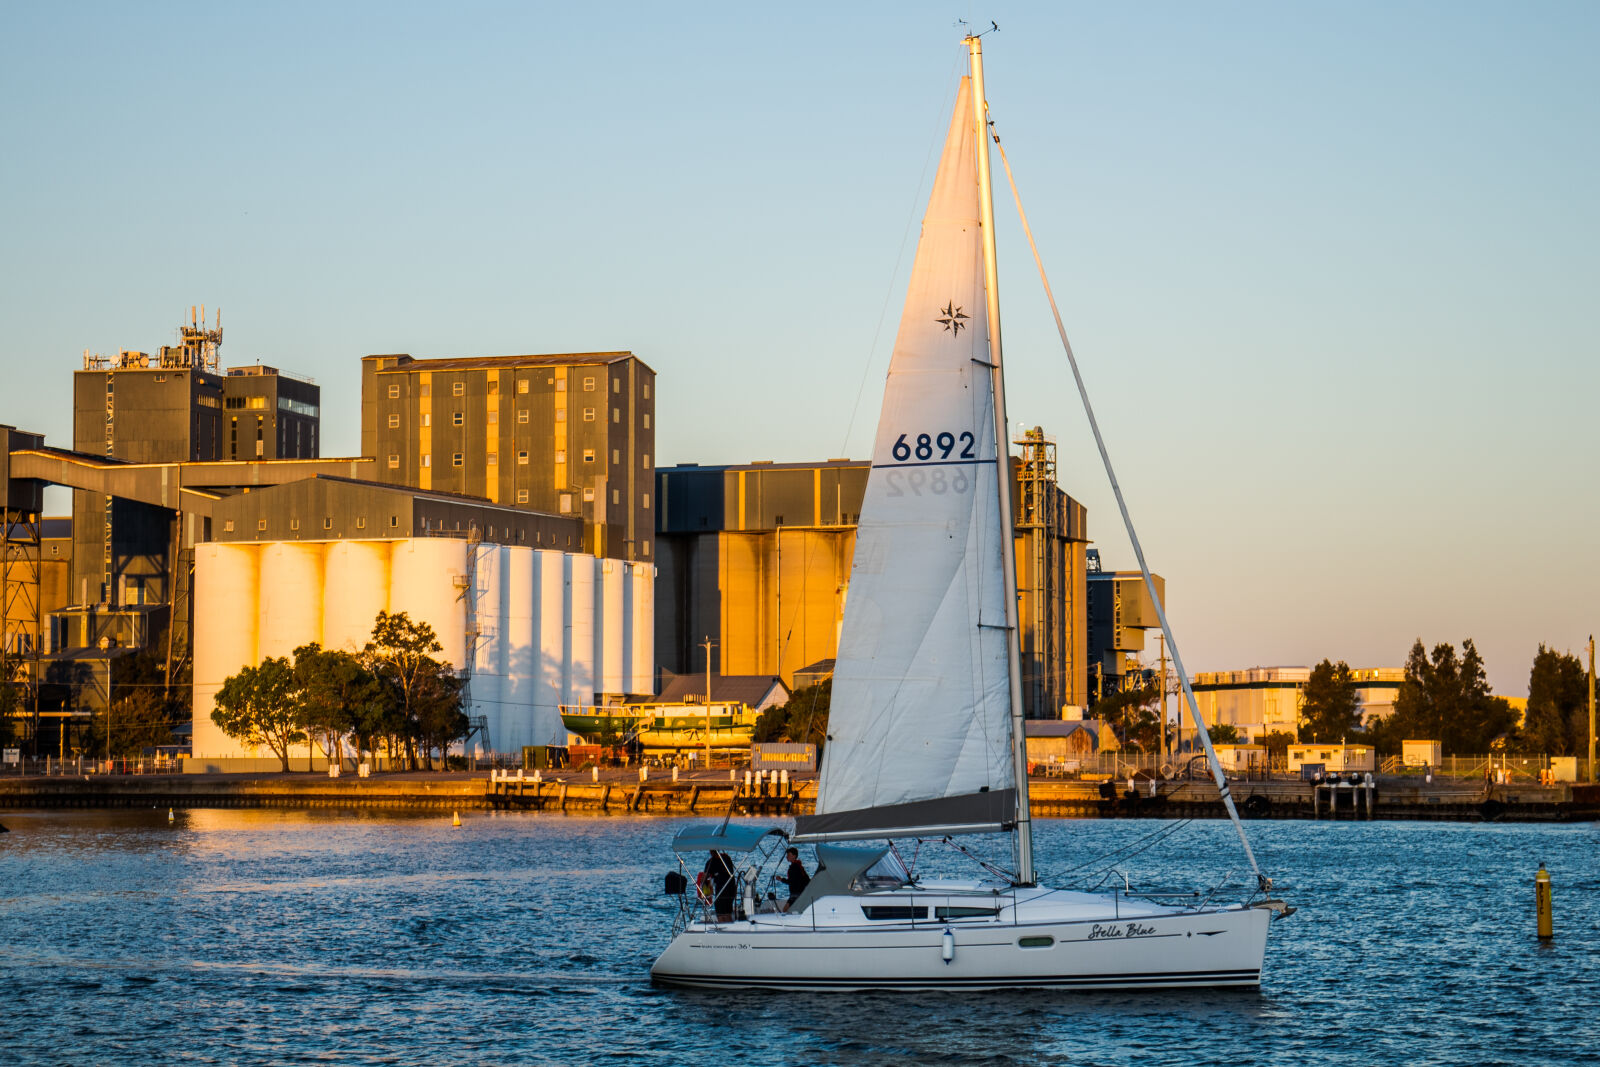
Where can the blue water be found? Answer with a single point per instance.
(244, 936)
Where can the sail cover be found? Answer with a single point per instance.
(919, 733)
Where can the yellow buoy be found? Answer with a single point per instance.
(1541, 895)
(455, 818)
(169, 815)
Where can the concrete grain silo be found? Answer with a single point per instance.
(355, 589)
(227, 583)
(428, 582)
(290, 606)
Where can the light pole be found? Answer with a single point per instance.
(707, 644)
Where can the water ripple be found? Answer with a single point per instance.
(304, 937)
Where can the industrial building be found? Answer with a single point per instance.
(1264, 700)
(570, 434)
(1119, 612)
(198, 495)
(756, 559)
(530, 620)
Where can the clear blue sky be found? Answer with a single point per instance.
(1331, 270)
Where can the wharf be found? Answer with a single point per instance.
(712, 793)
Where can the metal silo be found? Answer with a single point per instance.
(610, 626)
(522, 660)
(488, 619)
(579, 651)
(553, 662)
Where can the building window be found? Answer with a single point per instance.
(457, 418)
(616, 496)
(494, 418)
(361, 524)
(522, 459)
(394, 462)
(257, 403)
(646, 461)
(227, 527)
(588, 494)
(561, 455)
(522, 416)
(647, 500)
(646, 547)
(588, 385)
(426, 390)
(566, 503)
(616, 385)
(327, 523)
(616, 414)
(522, 496)
(394, 520)
(261, 524)
(427, 418)
(455, 459)
(588, 414)
(394, 392)
(494, 459)
(616, 456)
(260, 448)
(458, 388)
(647, 392)
(561, 385)
(427, 459)
(561, 414)
(394, 422)
(294, 524)
(647, 422)
(494, 385)
(522, 385)
(588, 455)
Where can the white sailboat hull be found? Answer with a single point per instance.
(1148, 947)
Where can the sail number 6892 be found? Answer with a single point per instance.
(926, 446)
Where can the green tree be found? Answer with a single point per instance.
(1557, 722)
(12, 702)
(1132, 714)
(339, 698)
(261, 706)
(1278, 742)
(1329, 709)
(1446, 698)
(436, 705)
(423, 693)
(802, 719)
(1223, 733)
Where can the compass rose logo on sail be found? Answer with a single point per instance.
(952, 319)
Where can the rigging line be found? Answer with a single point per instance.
(1111, 859)
(1127, 522)
(900, 257)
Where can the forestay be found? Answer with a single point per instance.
(919, 733)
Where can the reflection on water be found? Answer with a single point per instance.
(233, 935)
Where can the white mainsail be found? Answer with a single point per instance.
(920, 728)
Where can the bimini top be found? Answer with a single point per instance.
(706, 836)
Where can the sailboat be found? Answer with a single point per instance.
(926, 731)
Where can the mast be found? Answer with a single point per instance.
(991, 290)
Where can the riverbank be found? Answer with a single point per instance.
(620, 792)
